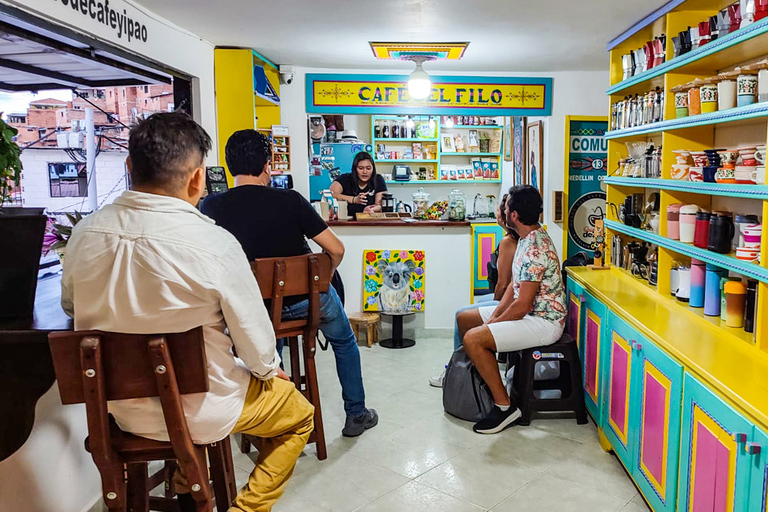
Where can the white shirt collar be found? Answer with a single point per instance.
(157, 203)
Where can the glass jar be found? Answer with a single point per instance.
(457, 205)
(420, 204)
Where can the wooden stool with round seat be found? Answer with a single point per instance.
(371, 323)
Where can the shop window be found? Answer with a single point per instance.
(68, 179)
(123, 92)
(146, 89)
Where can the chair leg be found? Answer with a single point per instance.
(314, 398)
(222, 473)
(369, 335)
(138, 487)
(577, 387)
(245, 444)
(293, 343)
(526, 371)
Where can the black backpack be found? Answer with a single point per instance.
(465, 393)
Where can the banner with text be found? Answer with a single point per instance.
(451, 95)
(587, 160)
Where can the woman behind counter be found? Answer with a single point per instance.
(362, 188)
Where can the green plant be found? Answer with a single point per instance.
(63, 232)
(10, 161)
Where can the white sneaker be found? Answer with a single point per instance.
(436, 381)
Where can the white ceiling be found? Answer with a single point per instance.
(504, 35)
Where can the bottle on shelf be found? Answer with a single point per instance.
(395, 130)
(377, 129)
(385, 130)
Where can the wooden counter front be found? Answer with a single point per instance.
(401, 223)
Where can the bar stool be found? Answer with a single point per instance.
(569, 383)
(371, 323)
(90, 368)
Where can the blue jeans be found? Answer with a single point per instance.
(481, 301)
(334, 324)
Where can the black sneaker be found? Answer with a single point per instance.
(356, 425)
(497, 420)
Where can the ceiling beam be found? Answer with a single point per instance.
(28, 87)
(64, 79)
(88, 54)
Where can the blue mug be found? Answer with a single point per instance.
(709, 173)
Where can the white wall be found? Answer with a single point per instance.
(110, 179)
(166, 43)
(575, 93)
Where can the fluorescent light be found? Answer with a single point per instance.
(419, 84)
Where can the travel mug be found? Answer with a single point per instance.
(735, 298)
(746, 90)
(708, 98)
(751, 302)
(673, 281)
(723, 282)
(701, 230)
(688, 222)
(681, 103)
(673, 221)
(741, 222)
(712, 290)
(726, 94)
(684, 284)
(698, 279)
(721, 230)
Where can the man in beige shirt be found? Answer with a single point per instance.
(152, 263)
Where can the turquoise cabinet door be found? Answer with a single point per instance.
(658, 393)
(715, 469)
(575, 310)
(758, 491)
(594, 317)
(620, 426)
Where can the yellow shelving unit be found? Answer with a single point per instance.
(746, 125)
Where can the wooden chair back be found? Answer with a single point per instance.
(278, 278)
(94, 367)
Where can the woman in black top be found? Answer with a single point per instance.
(362, 188)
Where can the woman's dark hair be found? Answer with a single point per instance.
(503, 206)
(526, 201)
(362, 157)
(247, 152)
(163, 147)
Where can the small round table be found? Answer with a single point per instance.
(397, 340)
(371, 323)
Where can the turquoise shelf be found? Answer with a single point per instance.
(470, 154)
(733, 115)
(758, 192)
(441, 182)
(473, 127)
(753, 270)
(390, 139)
(411, 161)
(709, 49)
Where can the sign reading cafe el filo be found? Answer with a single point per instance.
(450, 95)
(118, 19)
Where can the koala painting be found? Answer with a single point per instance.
(395, 294)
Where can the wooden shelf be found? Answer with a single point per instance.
(472, 127)
(734, 115)
(471, 154)
(744, 44)
(440, 182)
(758, 192)
(726, 261)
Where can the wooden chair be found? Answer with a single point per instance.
(95, 367)
(308, 275)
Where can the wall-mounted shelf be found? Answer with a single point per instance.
(759, 192)
(742, 45)
(405, 160)
(441, 182)
(753, 270)
(472, 127)
(390, 139)
(732, 115)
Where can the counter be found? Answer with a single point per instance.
(448, 263)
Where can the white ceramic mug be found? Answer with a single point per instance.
(744, 174)
(758, 175)
(760, 155)
(726, 94)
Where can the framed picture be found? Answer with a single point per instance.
(394, 280)
(446, 144)
(474, 141)
(533, 154)
(507, 139)
(518, 141)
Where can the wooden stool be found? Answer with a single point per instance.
(368, 320)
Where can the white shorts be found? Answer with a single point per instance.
(528, 332)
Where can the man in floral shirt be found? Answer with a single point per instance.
(530, 314)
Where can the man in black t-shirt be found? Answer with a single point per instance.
(271, 223)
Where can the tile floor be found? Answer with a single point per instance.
(419, 459)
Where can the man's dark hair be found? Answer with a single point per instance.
(247, 152)
(163, 147)
(526, 201)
